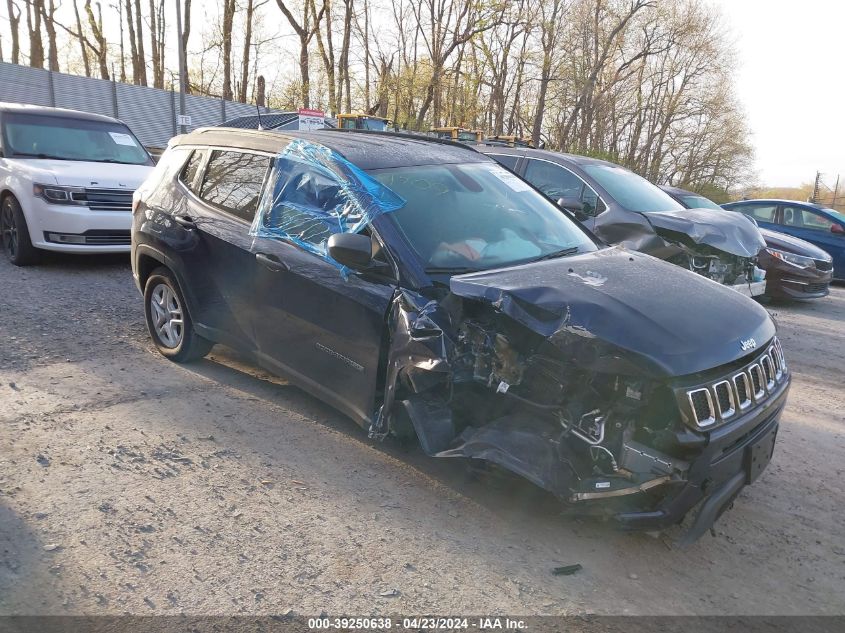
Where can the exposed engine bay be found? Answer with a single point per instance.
(525, 378)
(723, 268)
(587, 422)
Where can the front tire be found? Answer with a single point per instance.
(168, 320)
(14, 234)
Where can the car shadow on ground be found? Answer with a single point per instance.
(502, 493)
(87, 262)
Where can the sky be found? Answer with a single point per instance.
(790, 78)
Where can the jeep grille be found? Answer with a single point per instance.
(723, 399)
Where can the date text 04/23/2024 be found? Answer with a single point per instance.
(418, 623)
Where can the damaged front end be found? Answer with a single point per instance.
(719, 245)
(571, 386)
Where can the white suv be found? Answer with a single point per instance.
(66, 181)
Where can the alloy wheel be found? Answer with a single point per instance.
(166, 315)
(8, 230)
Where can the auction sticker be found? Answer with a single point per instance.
(511, 180)
(123, 139)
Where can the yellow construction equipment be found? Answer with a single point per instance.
(358, 121)
(511, 140)
(458, 134)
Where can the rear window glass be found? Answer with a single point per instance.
(233, 181)
(189, 173)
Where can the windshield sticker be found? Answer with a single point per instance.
(123, 139)
(511, 180)
(313, 193)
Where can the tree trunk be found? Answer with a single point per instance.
(34, 9)
(250, 8)
(139, 36)
(96, 25)
(327, 53)
(133, 44)
(81, 38)
(186, 33)
(49, 15)
(228, 20)
(14, 25)
(344, 54)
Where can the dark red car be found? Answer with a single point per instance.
(795, 269)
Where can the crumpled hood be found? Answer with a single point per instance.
(75, 173)
(791, 244)
(666, 320)
(726, 230)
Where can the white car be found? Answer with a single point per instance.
(66, 181)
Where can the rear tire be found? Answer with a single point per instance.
(14, 234)
(168, 320)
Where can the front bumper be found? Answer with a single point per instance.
(48, 221)
(752, 289)
(790, 282)
(734, 457)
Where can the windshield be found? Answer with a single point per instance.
(630, 191)
(700, 202)
(63, 138)
(476, 216)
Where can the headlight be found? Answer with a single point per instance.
(798, 261)
(55, 194)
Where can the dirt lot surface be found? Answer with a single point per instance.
(129, 484)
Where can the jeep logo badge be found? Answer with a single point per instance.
(748, 344)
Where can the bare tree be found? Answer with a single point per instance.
(139, 45)
(550, 14)
(226, 48)
(157, 28)
(186, 34)
(305, 31)
(100, 45)
(34, 10)
(14, 26)
(48, 14)
(444, 25)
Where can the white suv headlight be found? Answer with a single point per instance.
(798, 261)
(56, 194)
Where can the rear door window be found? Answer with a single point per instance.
(233, 181)
(761, 212)
(805, 219)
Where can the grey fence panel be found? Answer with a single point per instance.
(147, 111)
(82, 93)
(22, 84)
(203, 111)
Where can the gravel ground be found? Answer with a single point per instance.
(129, 484)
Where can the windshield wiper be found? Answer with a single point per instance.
(16, 154)
(555, 254)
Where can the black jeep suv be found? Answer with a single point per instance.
(426, 291)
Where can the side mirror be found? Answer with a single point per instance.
(837, 229)
(351, 249)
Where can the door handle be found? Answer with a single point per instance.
(271, 262)
(184, 221)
